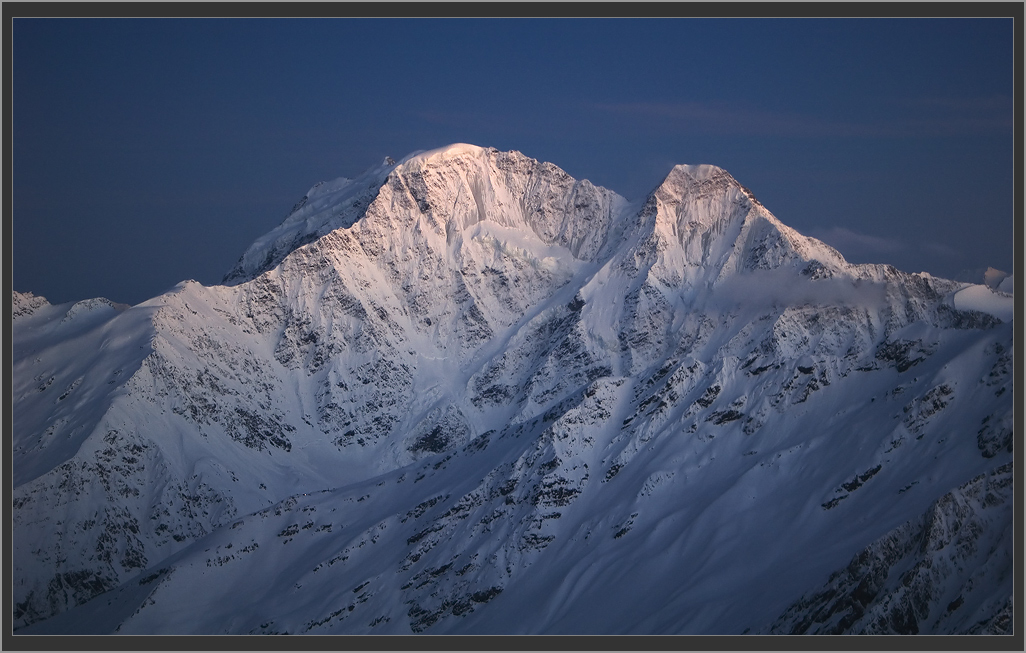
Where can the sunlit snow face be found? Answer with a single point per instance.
(419, 419)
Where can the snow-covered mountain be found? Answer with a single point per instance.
(467, 393)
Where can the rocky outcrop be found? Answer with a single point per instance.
(949, 571)
(468, 393)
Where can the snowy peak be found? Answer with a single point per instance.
(701, 209)
(443, 193)
(700, 214)
(998, 280)
(327, 206)
(445, 153)
(698, 182)
(438, 391)
(25, 304)
(468, 205)
(710, 227)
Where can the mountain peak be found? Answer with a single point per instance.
(327, 206)
(449, 190)
(26, 303)
(700, 171)
(689, 177)
(446, 152)
(470, 377)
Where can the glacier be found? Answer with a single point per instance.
(466, 393)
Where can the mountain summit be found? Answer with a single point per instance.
(467, 393)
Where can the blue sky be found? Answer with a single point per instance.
(151, 151)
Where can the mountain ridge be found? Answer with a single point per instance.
(427, 381)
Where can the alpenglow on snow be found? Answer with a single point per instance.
(466, 393)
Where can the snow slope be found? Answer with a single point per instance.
(949, 570)
(467, 393)
(981, 298)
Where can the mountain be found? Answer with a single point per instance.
(467, 393)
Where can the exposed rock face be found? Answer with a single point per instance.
(948, 571)
(25, 304)
(468, 393)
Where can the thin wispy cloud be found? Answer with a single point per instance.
(939, 249)
(733, 120)
(780, 287)
(989, 104)
(932, 117)
(847, 241)
(954, 116)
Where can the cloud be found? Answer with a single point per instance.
(846, 240)
(993, 103)
(946, 117)
(955, 116)
(939, 249)
(784, 287)
(740, 120)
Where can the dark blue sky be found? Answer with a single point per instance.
(151, 151)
